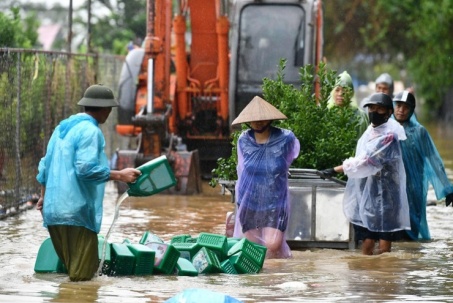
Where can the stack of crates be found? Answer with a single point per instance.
(184, 256)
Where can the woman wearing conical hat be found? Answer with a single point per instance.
(265, 153)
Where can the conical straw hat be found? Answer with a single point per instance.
(258, 110)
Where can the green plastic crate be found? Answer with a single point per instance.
(216, 243)
(185, 268)
(187, 250)
(47, 260)
(244, 264)
(206, 261)
(180, 239)
(254, 251)
(144, 259)
(148, 237)
(166, 257)
(107, 265)
(192, 240)
(123, 260)
(228, 267)
(231, 242)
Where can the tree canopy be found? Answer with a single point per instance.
(412, 40)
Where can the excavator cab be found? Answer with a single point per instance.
(262, 33)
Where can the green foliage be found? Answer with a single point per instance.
(326, 136)
(412, 40)
(226, 167)
(16, 32)
(431, 66)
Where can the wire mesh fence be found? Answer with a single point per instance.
(38, 89)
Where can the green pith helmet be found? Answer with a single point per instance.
(344, 80)
(98, 95)
(379, 99)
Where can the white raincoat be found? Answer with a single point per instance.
(375, 194)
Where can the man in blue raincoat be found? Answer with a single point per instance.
(73, 174)
(423, 166)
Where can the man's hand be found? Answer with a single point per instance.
(449, 199)
(40, 203)
(326, 173)
(130, 175)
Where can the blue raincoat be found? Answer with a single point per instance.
(74, 172)
(423, 166)
(375, 194)
(262, 187)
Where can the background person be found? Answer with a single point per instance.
(423, 166)
(265, 153)
(73, 174)
(375, 199)
(343, 95)
(384, 84)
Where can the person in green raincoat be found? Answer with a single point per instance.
(343, 95)
(73, 174)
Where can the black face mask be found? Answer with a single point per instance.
(377, 119)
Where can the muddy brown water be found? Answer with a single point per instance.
(412, 272)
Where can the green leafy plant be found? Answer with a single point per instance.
(226, 167)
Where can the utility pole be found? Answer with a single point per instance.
(89, 28)
(69, 27)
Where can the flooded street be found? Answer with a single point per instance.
(412, 272)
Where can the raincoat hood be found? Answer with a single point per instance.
(67, 124)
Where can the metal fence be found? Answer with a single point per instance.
(37, 90)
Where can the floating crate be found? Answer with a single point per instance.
(192, 240)
(231, 242)
(254, 251)
(228, 267)
(166, 257)
(180, 238)
(216, 243)
(187, 250)
(144, 259)
(244, 264)
(107, 255)
(150, 237)
(123, 260)
(47, 260)
(185, 268)
(206, 261)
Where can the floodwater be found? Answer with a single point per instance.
(412, 272)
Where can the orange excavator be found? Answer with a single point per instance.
(201, 62)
